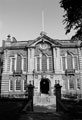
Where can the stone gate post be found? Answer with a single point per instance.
(30, 94)
(58, 96)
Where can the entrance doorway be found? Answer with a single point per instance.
(45, 86)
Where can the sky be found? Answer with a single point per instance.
(22, 19)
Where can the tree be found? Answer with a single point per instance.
(73, 16)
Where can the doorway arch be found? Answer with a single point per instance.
(45, 86)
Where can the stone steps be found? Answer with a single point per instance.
(44, 100)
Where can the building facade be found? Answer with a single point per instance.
(43, 62)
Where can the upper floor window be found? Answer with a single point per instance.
(44, 63)
(70, 62)
(38, 63)
(24, 64)
(50, 64)
(64, 63)
(76, 62)
(13, 64)
(18, 63)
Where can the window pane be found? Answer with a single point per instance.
(18, 69)
(44, 63)
(69, 62)
(78, 83)
(13, 64)
(11, 84)
(63, 63)
(76, 63)
(50, 64)
(25, 84)
(38, 64)
(71, 83)
(25, 64)
(18, 83)
(64, 84)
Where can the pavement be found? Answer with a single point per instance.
(43, 112)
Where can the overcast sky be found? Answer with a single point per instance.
(22, 19)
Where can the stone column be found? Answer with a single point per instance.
(58, 97)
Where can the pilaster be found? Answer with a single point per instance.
(80, 65)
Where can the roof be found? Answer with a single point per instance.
(29, 43)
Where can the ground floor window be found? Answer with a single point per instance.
(71, 83)
(64, 84)
(11, 85)
(18, 83)
(24, 85)
(78, 83)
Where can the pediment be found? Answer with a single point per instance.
(45, 39)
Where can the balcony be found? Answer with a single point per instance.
(70, 72)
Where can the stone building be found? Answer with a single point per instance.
(43, 61)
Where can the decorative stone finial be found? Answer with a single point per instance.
(8, 38)
(43, 33)
(14, 39)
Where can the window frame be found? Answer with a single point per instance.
(20, 86)
(10, 85)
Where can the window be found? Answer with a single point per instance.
(64, 84)
(13, 64)
(25, 65)
(38, 63)
(69, 62)
(76, 62)
(50, 64)
(63, 63)
(18, 83)
(44, 63)
(11, 85)
(78, 83)
(71, 84)
(24, 84)
(19, 64)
